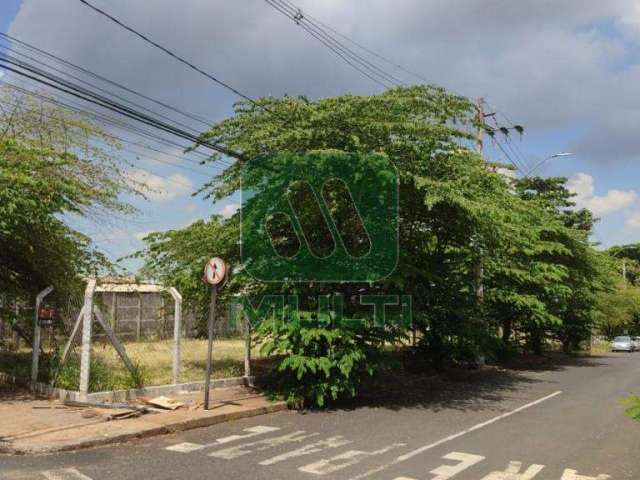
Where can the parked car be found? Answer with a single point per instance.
(622, 343)
(636, 343)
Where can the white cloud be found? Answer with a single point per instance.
(614, 200)
(630, 20)
(229, 209)
(161, 188)
(633, 221)
(141, 235)
(116, 235)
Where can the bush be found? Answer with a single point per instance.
(633, 407)
(319, 363)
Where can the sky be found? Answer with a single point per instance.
(567, 70)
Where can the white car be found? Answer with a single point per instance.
(622, 343)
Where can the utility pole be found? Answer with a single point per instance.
(479, 268)
(480, 133)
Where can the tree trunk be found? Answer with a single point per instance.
(506, 331)
(536, 341)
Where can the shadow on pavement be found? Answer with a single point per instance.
(460, 389)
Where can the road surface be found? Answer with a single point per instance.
(561, 423)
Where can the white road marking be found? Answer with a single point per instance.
(573, 475)
(187, 447)
(332, 442)
(445, 472)
(425, 448)
(466, 460)
(513, 472)
(246, 448)
(64, 474)
(253, 431)
(344, 460)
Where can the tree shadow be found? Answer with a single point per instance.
(458, 389)
(554, 361)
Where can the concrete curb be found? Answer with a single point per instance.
(150, 431)
(125, 395)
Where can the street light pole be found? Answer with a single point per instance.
(539, 164)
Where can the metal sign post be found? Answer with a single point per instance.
(214, 274)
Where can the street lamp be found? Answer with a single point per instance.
(555, 155)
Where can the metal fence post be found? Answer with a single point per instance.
(35, 356)
(85, 356)
(247, 349)
(177, 332)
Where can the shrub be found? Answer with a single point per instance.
(633, 407)
(318, 363)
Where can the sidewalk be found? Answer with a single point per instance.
(30, 425)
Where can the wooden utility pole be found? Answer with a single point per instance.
(479, 268)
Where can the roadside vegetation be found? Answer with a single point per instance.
(541, 278)
(153, 359)
(495, 266)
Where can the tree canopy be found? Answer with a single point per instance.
(54, 164)
(459, 221)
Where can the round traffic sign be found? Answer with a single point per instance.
(215, 271)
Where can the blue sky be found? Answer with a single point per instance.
(570, 75)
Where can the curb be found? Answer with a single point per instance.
(179, 426)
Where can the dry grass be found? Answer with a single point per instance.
(600, 346)
(156, 359)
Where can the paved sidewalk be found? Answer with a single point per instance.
(30, 425)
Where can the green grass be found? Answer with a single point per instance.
(600, 346)
(153, 361)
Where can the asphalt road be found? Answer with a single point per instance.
(561, 423)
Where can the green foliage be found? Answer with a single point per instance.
(541, 276)
(632, 405)
(177, 258)
(51, 169)
(102, 378)
(320, 364)
(618, 311)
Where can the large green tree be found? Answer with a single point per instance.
(54, 164)
(456, 214)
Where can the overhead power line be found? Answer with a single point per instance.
(173, 54)
(117, 123)
(34, 73)
(137, 154)
(100, 89)
(353, 59)
(365, 48)
(97, 76)
(323, 32)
